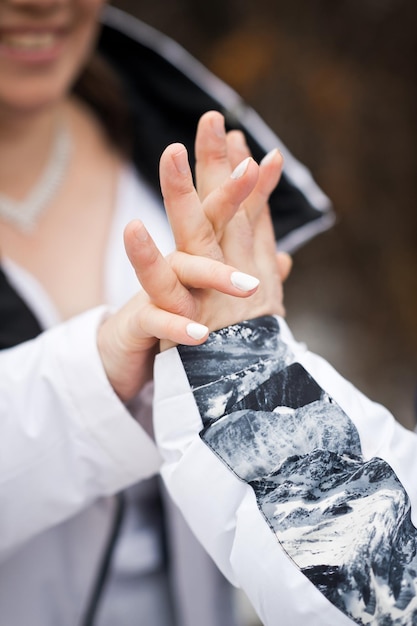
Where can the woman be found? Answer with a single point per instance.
(69, 442)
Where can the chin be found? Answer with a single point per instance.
(26, 96)
(27, 88)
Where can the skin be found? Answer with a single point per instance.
(44, 45)
(228, 228)
(219, 226)
(35, 75)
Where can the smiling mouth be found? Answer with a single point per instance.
(32, 41)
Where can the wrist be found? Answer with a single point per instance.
(127, 370)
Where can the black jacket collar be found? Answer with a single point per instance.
(169, 91)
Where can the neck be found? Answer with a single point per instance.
(25, 142)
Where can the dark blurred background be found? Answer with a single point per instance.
(336, 80)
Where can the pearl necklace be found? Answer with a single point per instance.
(25, 214)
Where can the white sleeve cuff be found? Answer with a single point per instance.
(128, 449)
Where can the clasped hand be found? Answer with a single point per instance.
(225, 248)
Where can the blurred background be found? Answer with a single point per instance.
(335, 79)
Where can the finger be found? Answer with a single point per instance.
(167, 282)
(225, 201)
(270, 170)
(237, 242)
(232, 223)
(249, 241)
(284, 265)
(198, 228)
(267, 265)
(264, 246)
(237, 148)
(154, 273)
(191, 228)
(252, 248)
(202, 273)
(162, 324)
(212, 162)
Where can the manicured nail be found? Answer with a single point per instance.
(181, 161)
(217, 124)
(196, 331)
(269, 157)
(244, 282)
(240, 169)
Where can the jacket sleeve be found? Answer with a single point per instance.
(301, 489)
(66, 438)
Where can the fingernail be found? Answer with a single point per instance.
(269, 157)
(181, 161)
(196, 331)
(240, 169)
(217, 124)
(244, 282)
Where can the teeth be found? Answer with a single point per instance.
(29, 41)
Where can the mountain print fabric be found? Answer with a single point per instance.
(334, 506)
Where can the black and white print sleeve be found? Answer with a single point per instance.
(302, 490)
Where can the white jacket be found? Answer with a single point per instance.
(302, 490)
(68, 443)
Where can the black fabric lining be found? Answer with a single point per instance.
(166, 106)
(17, 322)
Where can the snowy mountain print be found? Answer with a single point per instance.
(344, 521)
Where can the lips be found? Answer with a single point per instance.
(29, 40)
(31, 45)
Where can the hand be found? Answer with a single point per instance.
(204, 224)
(222, 227)
(178, 291)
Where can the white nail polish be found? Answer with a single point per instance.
(240, 169)
(196, 331)
(268, 157)
(244, 282)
